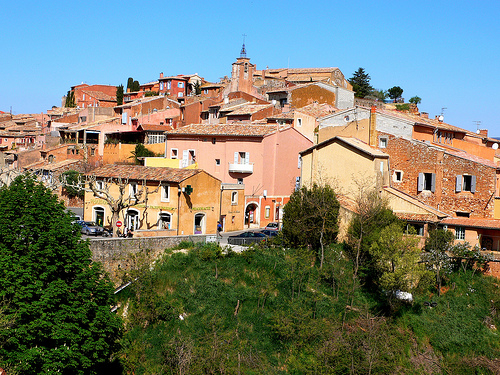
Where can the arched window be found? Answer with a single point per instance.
(164, 220)
(199, 223)
(132, 219)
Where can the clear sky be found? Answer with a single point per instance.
(446, 52)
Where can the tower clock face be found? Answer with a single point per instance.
(338, 78)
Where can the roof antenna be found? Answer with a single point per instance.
(478, 126)
(243, 52)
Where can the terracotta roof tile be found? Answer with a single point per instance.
(249, 109)
(474, 223)
(139, 172)
(317, 110)
(225, 129)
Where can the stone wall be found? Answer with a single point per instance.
(117, 254)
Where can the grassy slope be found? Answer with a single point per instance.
(271, 311)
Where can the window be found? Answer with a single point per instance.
(299, 162)
(133, 190)
(417, 229)
(92, 151)
(205, 91)
(214, 140)
(460, 233)
(161, 86)
(156, 137)
(426, 181)
(217, 161)
(241, 158)
(180, 85)
(132, 219)
(382, 142)
(180, 94)
(234, 197)
(240, 181)
(169, 84)
(164, 220)
(397, 176)
(165, 193)
(267, 212)
(465, 183)
(99, 185)
(174, 153)
(299, 122)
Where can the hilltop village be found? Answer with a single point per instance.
(180, 153)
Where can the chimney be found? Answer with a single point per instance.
(128, 90)
(161, 75)
(372, 132)
(483, 132)
(424, 114)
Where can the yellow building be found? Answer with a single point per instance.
(154, 201)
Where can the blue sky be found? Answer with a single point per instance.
(446, 52)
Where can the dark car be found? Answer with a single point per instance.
(90, 228)
(269, 232)
(246, 238)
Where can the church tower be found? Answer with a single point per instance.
(242, 73)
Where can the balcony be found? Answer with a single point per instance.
(241, 168)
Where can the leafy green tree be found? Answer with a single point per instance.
(465, 257)
(395, 93)
(69, 180)
(396, 258)
(135, 86)
(415, 100)
(151, 93)
(311, 218)
(58, 299)
(360, 82)
(437, 246)
(379, 94)
(119, 95)
(141, 151)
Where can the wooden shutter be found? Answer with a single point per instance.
(247, 158)
(420, 184)
(458, 184)
(473, 184)
(236, 154)
(433, 182)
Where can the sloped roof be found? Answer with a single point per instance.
(354, 142)
(225, 130)
(249, 109)
(474, 223)
(51, 166)
(432, 212)
(139, 172)
(154, 127)
(317, 110)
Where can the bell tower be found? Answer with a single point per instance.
(242, 73)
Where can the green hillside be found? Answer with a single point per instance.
(271, 310)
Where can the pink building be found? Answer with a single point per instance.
(262, 157)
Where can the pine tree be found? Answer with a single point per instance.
(360, 82)
(119, 95)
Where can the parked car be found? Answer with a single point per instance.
(90, 228)
(246, 238)
(273, 226)
(269, 232)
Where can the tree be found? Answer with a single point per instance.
(396, 258)
(395, 93)
(379, 94)
(197, 88)
(130, 84)
(415, 100)
(311, 218)
(141, 151)
(68, 180)
(70, 100)
(135, 86)
(58, 299)
(119, 95)
(437, 246)
(360, 82)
